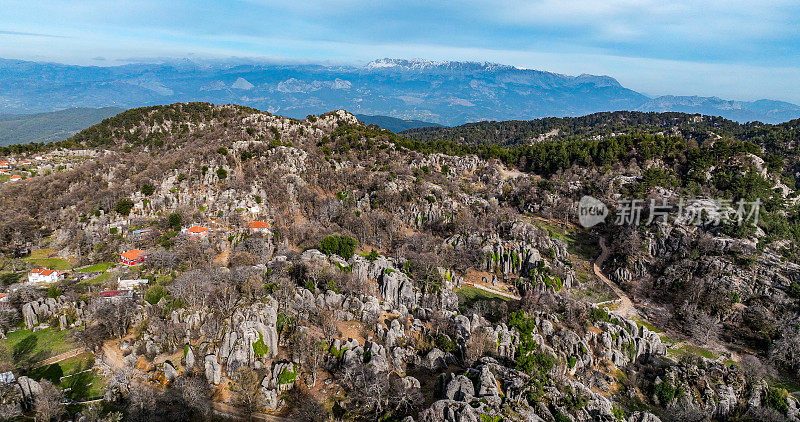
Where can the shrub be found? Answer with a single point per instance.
(259, 347)
(342, 245)
(222, 173)
(287, 377)
(174, 221)
(665, 392)
(124, 206)
(778, 399)
(600, 314)
(148, 189)
(794, 290)
(445, 344)
(155, 294)
(618, 413)
(222, 151)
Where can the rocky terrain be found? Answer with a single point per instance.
(398, 279)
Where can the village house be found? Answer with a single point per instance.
(15, 178)
(133, 257)
(5, 164)
(259, 227)
(196, 231)
(44, 276)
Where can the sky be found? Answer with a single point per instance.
(733, 49)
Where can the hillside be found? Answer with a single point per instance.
(322, 269)
(49, 127)
(394, 124)
(450, 93)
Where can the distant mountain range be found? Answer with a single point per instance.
(448, 93)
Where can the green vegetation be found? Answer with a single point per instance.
(124, 206)
(43, 258)
(692, 350)
(665, 392)
(469, 295)
(222, 173)
(52, 126)
(778, 399)
(99, 267)
(27, 347)
(529, 358)
(287, 377)
(259, 347)
(148, 189)
(155, 293)
(342, 245)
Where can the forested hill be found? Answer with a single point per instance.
(517, 132)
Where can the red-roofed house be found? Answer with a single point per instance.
(5, 164)
(44, 275)
(15, 178)
(133, 257)
(259, 227)
(197, 231)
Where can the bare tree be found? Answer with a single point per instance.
(246, 387)
(47, 403)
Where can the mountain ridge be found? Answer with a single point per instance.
(445, 92)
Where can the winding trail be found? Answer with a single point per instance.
(626, 307)
(487, 289)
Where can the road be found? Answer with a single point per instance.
(625, 307)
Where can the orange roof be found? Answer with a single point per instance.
(259, 225)
(42, 271)
(4, 162)
(2, 295)
(16, 176)
(132, 254)
(198, 229)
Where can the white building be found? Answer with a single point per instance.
(45, 276)
(131, 283)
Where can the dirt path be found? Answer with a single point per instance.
(506, 295)
(66, 355)
(226, 410)
(625, 307)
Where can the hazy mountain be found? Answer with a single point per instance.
(449, 93)
(52, 126)
(768, 111)
(394, 124)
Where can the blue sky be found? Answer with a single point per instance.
(732, 49)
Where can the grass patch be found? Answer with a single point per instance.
(76, 376)
(579, 242)
(688, 349)
(642, 323)
(468, 295)
(595, 293)
(46, 258)
(22, 348)
(99, 267)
